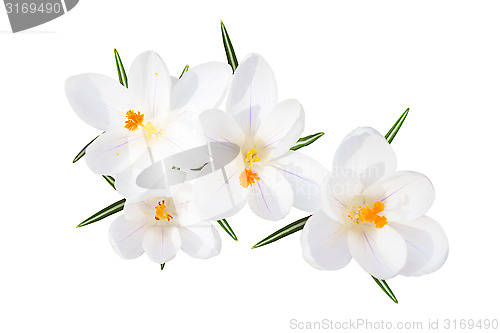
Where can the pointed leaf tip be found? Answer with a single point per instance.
(386, 289)
(186, 68)
(307, 140)
(283, 232)
(227, 228)
(122, 74)
(105, 212)
(228, 47)
(83, 151)
(397, 126)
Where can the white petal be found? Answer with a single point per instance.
(219, 194)
(201, 88)
(200, 240)
(281, 129)
(173, 83)
(306, 177)
(324, 242)
(125, 236)
(427, 245)
(114, 151)
(218, 126)
(177, 138)
(367, 153)
(253, 93)
(380, 252)
(149, 85)
(407, 195)
(161, 243)
(136, 209)
(98, 100)
(339, 192)
(187, 213)
(272, 196)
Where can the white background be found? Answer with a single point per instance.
(350, 64)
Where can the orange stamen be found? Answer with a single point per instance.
(247, 178)
(161, 212)
(134, 120)
(369, 215)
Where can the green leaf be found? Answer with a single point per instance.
(110, 210)
(285, 231)
(110, 180)
(200, 168)
(82, 152)
(227, 228)
(186, 68)
(386, 289)
(397, 125)
(122, 75)
(228, 46)
(307, 140)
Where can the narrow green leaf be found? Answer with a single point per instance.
(285, 231)
(385, 288)
(82, 152)
(110, 180)
(162, 266)
(122, 75)
(307, 140)
(110, 210)
(200, 168)
(397, 125)
(227, 228)
(390, 291)
(186, 68)
(228, 46)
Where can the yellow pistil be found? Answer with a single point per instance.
(369, 215)
(247, 176)
(134, 120)
(161, 212)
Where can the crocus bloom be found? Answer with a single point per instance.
(160, 225)
(265, 173)
(374, 213)
(150, 120)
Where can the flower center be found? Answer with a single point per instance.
(369, 215)
(134, 120)
(247, 176)
(161, 212)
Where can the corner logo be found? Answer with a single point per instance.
(25, 14)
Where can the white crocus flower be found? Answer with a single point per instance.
(266, 173)
(374, 214)
(150, 120)
(160, 225)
